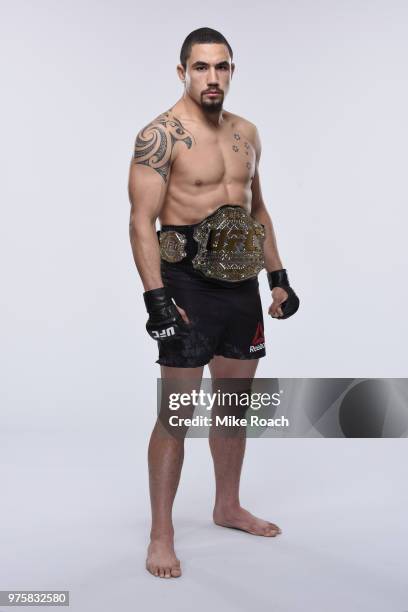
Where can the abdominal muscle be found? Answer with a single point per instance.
(190, 208)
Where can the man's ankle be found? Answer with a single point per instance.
(227, 506)
(162, 535)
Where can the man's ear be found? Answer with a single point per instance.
(181, 72)
(232, 68)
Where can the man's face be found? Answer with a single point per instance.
(208, 75)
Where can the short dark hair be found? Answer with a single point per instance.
(201, 36)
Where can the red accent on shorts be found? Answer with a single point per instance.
(259, 335)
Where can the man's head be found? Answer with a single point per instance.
(205, 67)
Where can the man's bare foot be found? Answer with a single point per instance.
(239, 518)
(161, 558)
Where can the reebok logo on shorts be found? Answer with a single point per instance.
(258, 341)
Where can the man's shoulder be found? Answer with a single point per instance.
(162, 120)
(241, 122)
(167, 124)
(247, 129)
(155, 142)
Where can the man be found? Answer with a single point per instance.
(195, 168)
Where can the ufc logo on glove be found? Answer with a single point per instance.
(164, 333)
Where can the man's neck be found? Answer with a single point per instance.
(187, 106)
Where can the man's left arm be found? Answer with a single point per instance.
(285, 301)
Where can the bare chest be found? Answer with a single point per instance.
(226, 157)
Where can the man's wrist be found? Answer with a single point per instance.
(155, 299)
(151, 286)
(278, 278)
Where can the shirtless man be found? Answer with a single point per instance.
(195, 168)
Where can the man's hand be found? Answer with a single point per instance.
(279, 295)
(285, 301)
(183, 314)
(166, 320)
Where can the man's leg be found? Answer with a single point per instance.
(165, 458)
(228, 454)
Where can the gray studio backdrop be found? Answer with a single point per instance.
(322, 81)
(325, 84)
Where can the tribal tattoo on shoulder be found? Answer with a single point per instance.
(155, 143)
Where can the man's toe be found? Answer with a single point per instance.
(151, 568)
(270, 532)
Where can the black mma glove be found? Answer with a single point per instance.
(279, 278)
(165, 322)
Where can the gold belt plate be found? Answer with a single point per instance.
(172, 245)
(230, 245)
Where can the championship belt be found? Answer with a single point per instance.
(172, 245)
(230, 245)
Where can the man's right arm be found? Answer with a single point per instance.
(148, 179)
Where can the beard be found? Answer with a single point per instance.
(212, 105)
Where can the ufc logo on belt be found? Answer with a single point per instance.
(231, 240)
(164, 333)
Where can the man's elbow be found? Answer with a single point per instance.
(141, 223)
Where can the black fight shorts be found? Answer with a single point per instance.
(225, 318)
